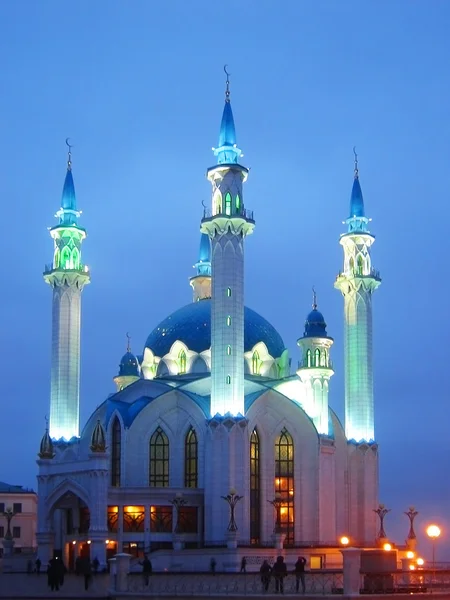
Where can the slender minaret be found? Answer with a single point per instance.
(315, 369)
(67, 276)
(227, 225)
(357, 283)
(201, 282)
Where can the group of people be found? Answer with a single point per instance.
(279, 572)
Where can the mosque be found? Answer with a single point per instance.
(211, 440)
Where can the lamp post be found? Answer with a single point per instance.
(276, 503)
(381, 511)
(411, 539)
(178, 502)
(433, 532)
(9, 514)
(232, 498)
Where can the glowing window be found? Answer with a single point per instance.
(75, 259)
(308, 358)
(116, 451)
(238, 203)
(56, 260)
(228, 320)
(159, 459)
(317, 357)
(229, 350)
(182, 362)
(228, 204)
(191, 459)
(65, 258)
(284, 483)
(228, 379)
(229, 292)
(255, 489)
(256, 363)
(217, 203)
(360, 265)
(352, 265)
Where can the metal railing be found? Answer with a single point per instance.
(244, 213)
(374, 273)
(80, 269)
(225, 584)
(407, 582)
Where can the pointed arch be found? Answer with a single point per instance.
(159, 459)
(191, 459)
(317, 357)
(255, 489)
(75, 258)
(308, 358)
(182, 362)
(56, 258)
(351, 264)
(360, 265)
(284, 483)
(256, 363)
(217, 202)
(65, 258)
(238, 203)
(228, 203)
(116, 452)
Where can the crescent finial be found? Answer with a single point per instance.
(356, 161)
(227, 91)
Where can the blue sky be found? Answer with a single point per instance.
(139, 87)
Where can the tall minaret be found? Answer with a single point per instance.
(227, 225)
(201, 282)
(67, 276)
(357, 283)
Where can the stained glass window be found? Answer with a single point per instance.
(116, 451)
(191, 460)
(255, 489)
(284, 482)
(159, 459)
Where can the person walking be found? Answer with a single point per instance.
(38, 564)
(299, 570)
(265, 571)
(244, 565)
(95, 565)
(86, 571)
(279, 571)
(53, 575)
(147, 569)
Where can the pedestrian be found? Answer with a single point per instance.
(38, 565)
(265, 571)
(95, 565)
(212, 565)
(53, 575)
(61, 570)
(146, 569)
(299, 570)
(279, 571)
(85, 570)
(244, 565)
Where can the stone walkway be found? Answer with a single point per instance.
(21, 585)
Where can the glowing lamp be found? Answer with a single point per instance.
(412, 568)
(74, 542)
(387, 547)
(106, 541)
(344, 540)
(433, 531)
(420, 562)
(410, 554)
(89, 541)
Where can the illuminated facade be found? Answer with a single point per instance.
(211, 405)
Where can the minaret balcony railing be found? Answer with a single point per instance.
(243, 214)
(80, 269)
(303, 364)
(373, 274)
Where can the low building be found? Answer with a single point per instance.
(23, 502)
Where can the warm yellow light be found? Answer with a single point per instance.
(344, 540)
(133, 509)
(291, 492)
(412, 568)
(433, 531)
(387, 547)
(277, 481)
(410, 554)
(107, 542)
(74, 542)
(420, 561)
(89, 541)
(283, 510)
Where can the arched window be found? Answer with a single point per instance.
(255, 489)
(317, 357)
(65, 258)
(228, 380)
(229, 292)
(217, 203)
(228, 203)
(238, 204)
(56, 259)
(75, 259)
(228, 321)
(351, 265)
(308, 358)
(191, 459)
(323, 359)
(159, 459)
(284, 483)
(256, 363)
(360, 263)
(182, 362)
(116, 452)
(228, 350)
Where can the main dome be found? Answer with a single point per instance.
(192, 326)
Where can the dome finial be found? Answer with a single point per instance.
(69, 155)
(314, 304)
(46, 447)
(128, 342)
(227, 90)
(356, 163)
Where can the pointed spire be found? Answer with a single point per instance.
(128, 343)
(46, 450)
(203, 265)
(314, 304)
(356, 199)
(68, 214)
(227, 151)
(98, 439)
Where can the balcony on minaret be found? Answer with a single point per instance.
(80, 268)
(244, 213)
(357, 273)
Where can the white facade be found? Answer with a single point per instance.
(212, 410)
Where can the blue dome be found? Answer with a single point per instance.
(315, 325)
(192, 326)
(129, 365)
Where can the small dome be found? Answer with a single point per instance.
(129, 365)
(315, 325)
(46, 447)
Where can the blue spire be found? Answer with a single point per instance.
(227, 151)
(203, 265)
(68, 214)
(357, 220)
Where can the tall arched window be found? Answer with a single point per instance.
(116, 452)
(360, 263)
(255, 363)
(56, 259)
(191, 459)
(308, 358)
(284, 483)
(182, 362)
(65, 258)
(159, 459)
(75, 259)
(238, 204)
(217, 203)
(255, 490)
(317, 357)
(228, 203)
(351, 265)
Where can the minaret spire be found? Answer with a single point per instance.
(227, 89)
(67, 276)
(314, 304)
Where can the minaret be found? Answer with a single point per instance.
(67, 276)
(357, 283)
(227, 225)
(129, 370)
(201, 282)
(315, 369)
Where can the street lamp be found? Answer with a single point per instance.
(232, 498)
(344, 540)
(277, 503)
(381, 511)
(178, 502)
(433, 532)
(411, 514)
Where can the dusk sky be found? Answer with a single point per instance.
(139, 88)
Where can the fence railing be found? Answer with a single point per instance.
(421, 580)
(224, 584)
